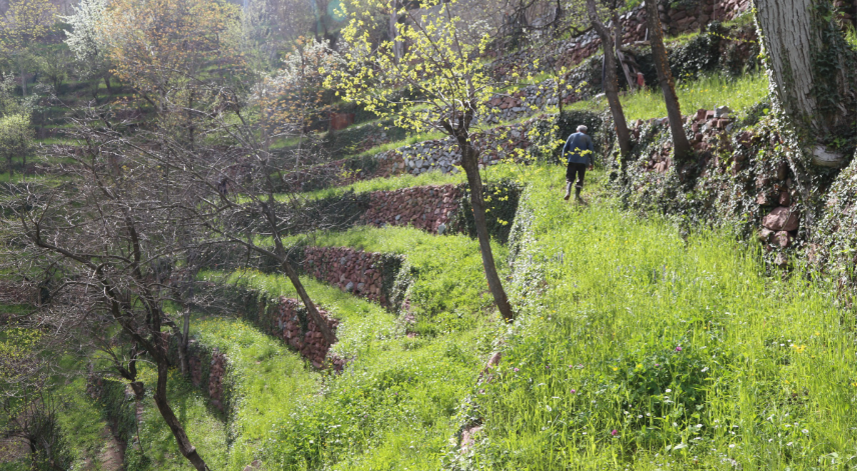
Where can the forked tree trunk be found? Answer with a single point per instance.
(681, 145)
(808, 66)
(470, 162)
(611, 84)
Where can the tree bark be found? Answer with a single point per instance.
(470, 162)
(808, 65)
(611, 81)
(185, 447)
(681, 145)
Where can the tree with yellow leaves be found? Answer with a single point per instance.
(436, 83)
(25, 22)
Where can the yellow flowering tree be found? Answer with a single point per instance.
(432, 80)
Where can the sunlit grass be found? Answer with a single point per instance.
(638, 349)
(708, 93)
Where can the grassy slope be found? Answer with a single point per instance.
(395, 406)
(706, 93)
(639, 349)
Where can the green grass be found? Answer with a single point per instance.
(393, 408)
(708, 93)
(204, 426)
(450, 284)
(396, 182)
(638, 349)
(264, 372)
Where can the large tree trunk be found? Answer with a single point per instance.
(611, 84)
(808, 65)
(185, 447)
(681, 145)
(470, 162)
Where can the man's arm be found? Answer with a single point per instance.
(565, 147)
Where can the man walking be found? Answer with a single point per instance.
(579, 151)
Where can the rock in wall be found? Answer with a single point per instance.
(215, 379)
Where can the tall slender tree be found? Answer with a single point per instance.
(611, 84)
(450, 87)
(681, 145)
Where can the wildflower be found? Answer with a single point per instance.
(615, 368)
(573, 391)
(678, 349)
(614, 432)
(516, 370)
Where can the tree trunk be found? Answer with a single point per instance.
(316, 316)
(808, 65)
(23, 80)
(611, 81)
(184, 367)
(681, 145)
(187, 450)
(469, 160)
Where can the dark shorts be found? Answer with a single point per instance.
(576, 170)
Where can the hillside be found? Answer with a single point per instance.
(256, 237)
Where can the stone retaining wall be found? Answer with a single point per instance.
(430, 208)
(303, 335)
(676, 18)
(369, 275)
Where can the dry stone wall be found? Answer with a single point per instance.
(676, 18)
(369, 275)
(494, 145)
(430, 208)
(290, 323)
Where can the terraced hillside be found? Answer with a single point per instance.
(682, 316)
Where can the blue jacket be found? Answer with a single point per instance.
(575, 147)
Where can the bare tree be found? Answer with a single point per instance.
(115, 235)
